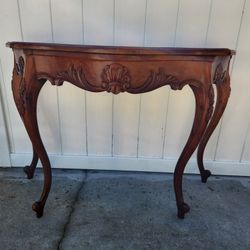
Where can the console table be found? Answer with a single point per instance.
(122, 69)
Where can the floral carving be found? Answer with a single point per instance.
(211, 102)
(21, 102)
(115, 78)
(18, 71)
(219, 74)
(20, 66)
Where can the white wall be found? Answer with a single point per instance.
(113, 132)
(4, 144)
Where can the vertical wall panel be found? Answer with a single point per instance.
(236, 119)
(129, 30)
(179, 121)
(129, 22)
(4, 145)
(191, 32)
(67, 28)
(98, 22)
(36, 26)
(246, 147)
(222, 32)
(72, 119)
(126, 115)
(160, 27)
(224, 23)
(10, 31)
(35, 20)
(161, 20)
(193, 18)
(67, 21)
(152, 122)
(99, 123)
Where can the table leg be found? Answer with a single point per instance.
(29, 170)
(223, 93)
(202, 112)
(25, 91)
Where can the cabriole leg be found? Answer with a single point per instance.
(223, 93)
(25, 98)
(199, 125)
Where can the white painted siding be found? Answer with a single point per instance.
(98, 20)
(108, 131)
(4, 145)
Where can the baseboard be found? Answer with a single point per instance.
(134, 164)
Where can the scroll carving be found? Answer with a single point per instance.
(156, 80)
(116, 78)
(219, 74)
(71, 75)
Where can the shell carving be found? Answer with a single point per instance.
(115, 78)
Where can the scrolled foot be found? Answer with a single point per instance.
(38, 208)
(28, 172)
(204, 175)
(183, 208)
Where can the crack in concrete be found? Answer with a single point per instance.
(75, 200)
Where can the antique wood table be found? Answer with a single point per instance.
(122, 69)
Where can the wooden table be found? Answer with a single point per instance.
(122, 69)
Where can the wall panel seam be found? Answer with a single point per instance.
(165, 125)
(140, 100)
(245, 142)
(176, 23)
(86, 123)
(238, 35)
(113, 101)
(51, 22)
(85, 92)
(82, 5)
(112, 128)
(20, 19)
(169, 91)
(209, 20)
(57, 92)
(138, 128)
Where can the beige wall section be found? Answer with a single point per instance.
(109, 128)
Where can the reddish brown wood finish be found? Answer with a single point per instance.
(122, 69)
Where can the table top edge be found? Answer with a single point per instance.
(121, 49)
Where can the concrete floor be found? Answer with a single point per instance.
(123, 210)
